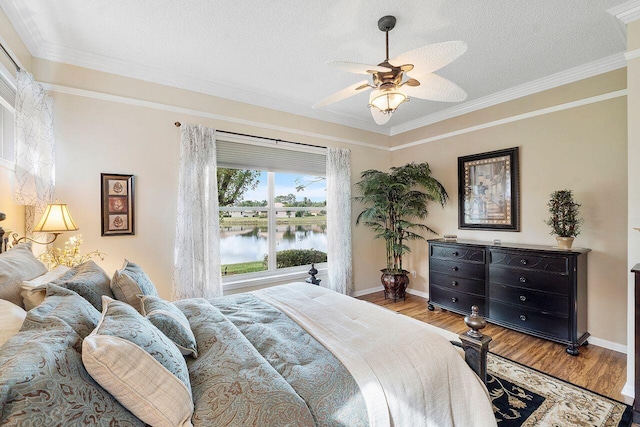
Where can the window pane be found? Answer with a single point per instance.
(244, 234)
(301, 230)
(244, 242)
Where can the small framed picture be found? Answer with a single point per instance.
(488, 197)
(117, 204)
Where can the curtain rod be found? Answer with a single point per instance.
(178, 124)
(15, 64)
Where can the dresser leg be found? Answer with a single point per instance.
(572, 349)
(431, 307)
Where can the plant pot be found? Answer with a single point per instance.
(395, 284)
(564, 242)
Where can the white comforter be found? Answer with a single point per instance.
(409, 375)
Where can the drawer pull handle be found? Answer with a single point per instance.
(523, 317)
(455, 254)
(454, 299)
(523, 298)
(523, 279)
(454, 268)
(523, 261)
(454, 283)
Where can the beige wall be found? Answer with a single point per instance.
(583, 149)
(15, 213)
(633, 77)
(95, 136)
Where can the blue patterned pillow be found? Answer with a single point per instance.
(131, 281)
(171, 321)
(89, 281)
(139, 366)
(44, 383)
(66, 305)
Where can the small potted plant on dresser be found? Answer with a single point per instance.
(395, 199)
(564, 218)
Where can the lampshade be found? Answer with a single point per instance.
(379, 117)
(56, 219)
(386, 100)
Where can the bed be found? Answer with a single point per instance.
(103, 350)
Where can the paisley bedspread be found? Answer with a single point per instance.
(257, 367)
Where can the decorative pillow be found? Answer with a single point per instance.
(44, 383)
(17, 265)
(33, 297)
(11, 319)
(171, 321)
(67, 306)
(89, 281)
(139, 366)
(129, 282)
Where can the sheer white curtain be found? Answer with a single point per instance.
(339, 220)
(197, 246)
(34, 180)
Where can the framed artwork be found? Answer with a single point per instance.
(488, 196)
(117, 204)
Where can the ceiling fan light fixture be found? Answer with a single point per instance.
(387, 100)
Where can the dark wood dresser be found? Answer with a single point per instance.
(538, 290)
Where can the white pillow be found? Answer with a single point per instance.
(135, 362)
(11, 319)
(33, 297)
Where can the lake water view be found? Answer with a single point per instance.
(247, 243)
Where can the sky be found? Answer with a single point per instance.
(286, 184)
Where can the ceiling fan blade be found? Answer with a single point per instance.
(427, 59)
(436, 88)
(343, 94)
(357, 68)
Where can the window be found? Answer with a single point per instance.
(272, 215)
(7, 110)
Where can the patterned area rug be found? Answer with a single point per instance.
(523, 396)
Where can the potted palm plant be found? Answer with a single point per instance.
(395, 199)
(564, 218)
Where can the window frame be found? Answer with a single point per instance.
(11, 80)
(272, 275)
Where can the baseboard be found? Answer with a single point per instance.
(368, 291)
(381, 288)
(621, 348)
(628, 392)
(415, 292)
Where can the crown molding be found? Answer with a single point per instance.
(199, 113)
(571, 75)
(38, 47)
(26, 29)
(632, 54)
(530, 114)
(56, 53)
(626, 12)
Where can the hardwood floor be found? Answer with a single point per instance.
(596, 368)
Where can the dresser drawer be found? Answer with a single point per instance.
(533, 280)
(530, 320)
(530, 261)
(456, 301)
(529, 299)
(460, 284)
(458, 253)
(457, 268)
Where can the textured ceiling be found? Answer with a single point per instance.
(275, 54)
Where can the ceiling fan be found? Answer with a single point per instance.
(391, 88)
